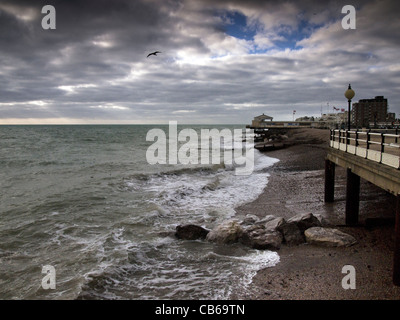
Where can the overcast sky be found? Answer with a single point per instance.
(221, 61)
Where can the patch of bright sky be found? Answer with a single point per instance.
(292, 35)
(72, 88)
(236, 25)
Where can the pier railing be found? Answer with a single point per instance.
(382, 146)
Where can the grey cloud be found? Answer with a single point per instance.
(102, 46)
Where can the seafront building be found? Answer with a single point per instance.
(261, 121)
(330, 120)
(371, 113)
(366, 113)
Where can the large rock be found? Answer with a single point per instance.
(226, 233)
(305, 221)
(274, 224)
(190, 232)
(292, 235)
(258, 237)
(266, 219)
(251, 219)
(329, 237)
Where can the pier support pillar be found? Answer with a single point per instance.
(352, 197)
(396, 260)
(329, 181)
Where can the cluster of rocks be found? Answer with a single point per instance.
(268, 233)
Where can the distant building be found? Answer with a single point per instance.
(305, 119)
(368, 111)
(265, 122)
(260, 120)
(333, 120)
(391, 117)
(330, 120)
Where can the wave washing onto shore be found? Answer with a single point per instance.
(93, 208)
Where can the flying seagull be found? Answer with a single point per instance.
(153, 53)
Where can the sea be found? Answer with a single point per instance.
(84, 200)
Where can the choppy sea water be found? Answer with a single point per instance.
(84, 200)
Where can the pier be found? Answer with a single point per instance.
(373, 156)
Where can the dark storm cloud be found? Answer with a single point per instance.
(93, 67)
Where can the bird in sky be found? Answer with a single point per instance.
(153, 53)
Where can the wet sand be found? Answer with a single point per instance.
(296, 185)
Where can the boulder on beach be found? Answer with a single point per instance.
(290, 231)
(274, 224)
(226, 233)
(251, 219)
(329, 237)
(292, 234)
(305, 221)
(266, 219)
(191, 232)
(258, 237)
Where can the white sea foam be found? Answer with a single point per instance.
(174, 270)
(195, 194)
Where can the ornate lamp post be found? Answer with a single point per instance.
(349, 94)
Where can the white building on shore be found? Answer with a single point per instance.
(329, 120)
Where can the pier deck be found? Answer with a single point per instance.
(373, 156)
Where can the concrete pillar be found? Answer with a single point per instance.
(396, 259)
(329, 181)
(352, 197)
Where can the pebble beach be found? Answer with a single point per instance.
(311, 272)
